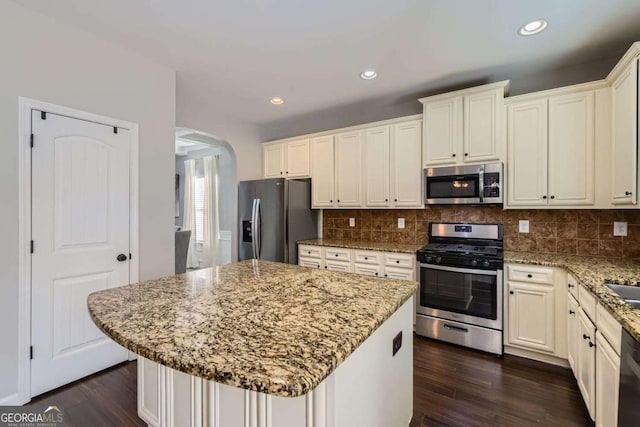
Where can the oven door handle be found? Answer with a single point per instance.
(459, 270)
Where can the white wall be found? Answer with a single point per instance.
(44, 60)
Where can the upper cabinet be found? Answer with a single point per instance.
(624, 136)
(348, 172)
(551, 150)
(465, 126)
(287, 159)
(323, 178)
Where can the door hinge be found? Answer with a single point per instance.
(115, 129)
(31, 353)
(31, 140)
(43, 115)
(32, 246)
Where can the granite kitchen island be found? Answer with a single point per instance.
(258, 343)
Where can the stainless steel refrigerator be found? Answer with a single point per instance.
(273, 214)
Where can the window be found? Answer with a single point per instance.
(199, 201)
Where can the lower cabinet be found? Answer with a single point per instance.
(586, 374)
(607, 383)
(531, 316)
(572, 334)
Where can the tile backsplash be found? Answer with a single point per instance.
(575, 231)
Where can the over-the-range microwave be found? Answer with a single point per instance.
(464, 185)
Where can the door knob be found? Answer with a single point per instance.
(121, 258)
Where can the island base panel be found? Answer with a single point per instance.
(372, 388)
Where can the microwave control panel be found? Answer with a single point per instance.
(491, 185)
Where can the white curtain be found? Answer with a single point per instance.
(211, 229)
(190, 210)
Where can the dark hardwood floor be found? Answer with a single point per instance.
(453, 386)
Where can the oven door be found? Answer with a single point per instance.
(461, 294)
(454, 189)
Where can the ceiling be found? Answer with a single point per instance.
(241, 53)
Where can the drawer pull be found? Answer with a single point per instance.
(309, 252)
(397, 261)
(529, 276)
(572, 312)
(586, 337)
(336, 254)
(456, 328)
(511, 292)
(591, 344)
(570, 286)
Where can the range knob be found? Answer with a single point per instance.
(429, 258)
(485, 263)
(474, 262)
(439, 259)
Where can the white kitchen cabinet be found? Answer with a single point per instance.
(572, 334)
(376, 166)
(298, 159)
(464, 126)
(369, 270)
(344, 267)
(323, 176)
(406, 169)
(587, 361)
(310, 262)
(607, 382)
(542, 135)
(399, 273)
(531, 316)
(273, 160)
(348, 175)
(624, 137)
(527, 153)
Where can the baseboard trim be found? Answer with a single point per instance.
(534, 355)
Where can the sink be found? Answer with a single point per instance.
(631, 294)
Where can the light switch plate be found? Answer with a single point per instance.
(523, 226)
(619, 228)
(400, 222)
(352, 222)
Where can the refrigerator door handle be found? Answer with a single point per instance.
(258, 237)
(254, 225)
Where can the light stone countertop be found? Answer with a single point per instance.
(406, 248)
(593, 273)
(263, 326)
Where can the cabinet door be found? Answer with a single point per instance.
(532, 316)
(527, 153)
(607, 383)
(273, 160)
(442, 131)
(586, 361)
(572, 149)
(298, 161)
(376, 166)
(322, 178)
(481, 131)
(349, 153)
(572, 334)
(368, 270)
(624, 141)
(399, 273)
(406, 169)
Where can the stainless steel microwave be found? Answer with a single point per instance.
(464, 185)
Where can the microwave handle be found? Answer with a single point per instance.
(481, 184)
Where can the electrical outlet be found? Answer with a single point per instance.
(397, 343)
(619, 228)
(523, 226)
(352, 222)
(400, 222)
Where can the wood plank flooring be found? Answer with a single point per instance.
(453, 386)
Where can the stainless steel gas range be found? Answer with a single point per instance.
(460, 296)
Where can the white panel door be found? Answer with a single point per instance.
(624, 141)
(322, 172)
(349, 156)
(607, 383)
(442, 131)
(572, 149)
(273, 160)
(481, 126)
(532, 316)
(80, 224)
(376, 166)
(298, 161)
(572, 334)
(527, 153)
(406, 169)
(587, 361)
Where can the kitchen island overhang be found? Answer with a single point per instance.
(266, 332)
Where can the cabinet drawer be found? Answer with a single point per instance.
(530, 273)
(344, 267)
(368, 270)
(310, 251)
(309, 262)
(399, 260)
(337, 254)
(587, 302)
(609, 327)
(399, 273)
(368, 257)
(572, 285)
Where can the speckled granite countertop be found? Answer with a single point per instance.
(593, 273)
(358, 244)
(269, 327)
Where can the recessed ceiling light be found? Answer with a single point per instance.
(276, 100)
(533, 27)
(368, 74)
